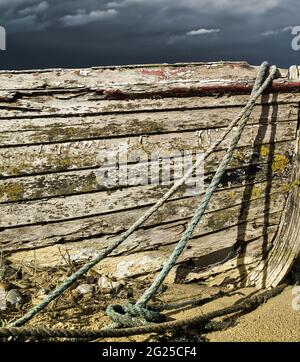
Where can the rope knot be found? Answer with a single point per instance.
(130, 315)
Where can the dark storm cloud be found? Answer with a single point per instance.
(73, 33)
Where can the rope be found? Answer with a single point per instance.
(198, 321)
(90, 264)
(139, 310)
(190, 302)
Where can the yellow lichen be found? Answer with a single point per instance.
(231, 194)
(256, 192)
(294, 184)
(239, 155)
(279, 163)
(11, 192)
(264, 151)
(286, 187)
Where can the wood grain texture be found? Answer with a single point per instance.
(146, 82)
(268, 267)
(247, 165)
(24, 160)
(127, 76)
(272, 270)
(41, 130)
(57, 127)
(47, 104)
(144, 262)
(42, 234)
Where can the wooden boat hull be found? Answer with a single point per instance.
(54, 124)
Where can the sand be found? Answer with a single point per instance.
(275, 321)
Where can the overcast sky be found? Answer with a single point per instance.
(83, 33)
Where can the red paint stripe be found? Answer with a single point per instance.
(194, 91)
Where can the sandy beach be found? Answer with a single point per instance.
(275, 321)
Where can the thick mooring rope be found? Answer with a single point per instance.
(257, 92)
(198, 322)
(138, 312)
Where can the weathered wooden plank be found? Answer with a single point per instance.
(286, 249)
(76, 182)
(87, 154)
(117, 76)
(36, 236)
(76, 206)
(144, 262)
(149, 262)
(112, 223)
(60, 107)
(172, 87)
(88, 103)
(167, 234)
(49, 130)
(235, 270)
(268, 266)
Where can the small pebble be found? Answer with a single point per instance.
(84, 289)
(7, 271)
(106, 285)
(14, 297)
